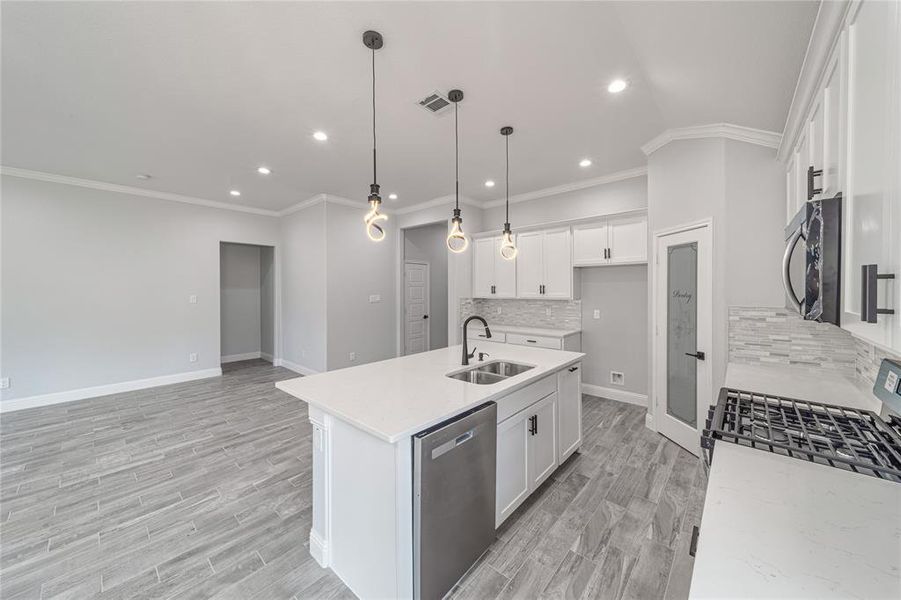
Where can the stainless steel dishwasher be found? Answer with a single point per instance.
(454, 466)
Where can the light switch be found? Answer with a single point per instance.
(597, 313)
(192, 357)
(4, 383)
(375, 298)
(192, 299)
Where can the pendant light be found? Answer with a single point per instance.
(456, 240)
(508, 246)
(374, 228)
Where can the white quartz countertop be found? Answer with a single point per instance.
(780, 527)
(395, 398)
(560, 333)
(801, 384)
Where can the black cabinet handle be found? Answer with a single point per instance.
(492, 289)
(693, 546)
(425, 316)
(532, 341)
(699, 355)
(605, 253)
(573, 369)
(869, 275)
(536, 424)
(609, 252)
(811, 173)
(533, 425)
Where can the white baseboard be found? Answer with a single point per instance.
(236, 357)
(105, 390)
(649, 421)
(297, 368)
(318, 549)
(615, 394)
(267, 356)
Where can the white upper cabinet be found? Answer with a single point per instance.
(544, 267)
(492, 275)
(872, 208)
(614, 241)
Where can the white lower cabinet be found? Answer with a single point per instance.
(569, 411)
(529, 442)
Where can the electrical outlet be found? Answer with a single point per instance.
(352, 356)
(303, 353)
(499, 310)
(192, 299)
(375, 298)
(192, 357)
(547, 311)
(597, 313)
(4, 383)
(617, 378)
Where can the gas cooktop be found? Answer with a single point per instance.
(849, 439)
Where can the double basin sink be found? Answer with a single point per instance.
(490, 372)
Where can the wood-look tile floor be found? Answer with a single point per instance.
(203, 489)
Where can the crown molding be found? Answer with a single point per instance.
(132, 191)
(571, 187)
(437, 202)
(825, 36)
(760, 137)
(311, 201)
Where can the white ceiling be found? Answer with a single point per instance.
(200, 94)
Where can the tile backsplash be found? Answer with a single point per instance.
(777, 336)
(564, 314)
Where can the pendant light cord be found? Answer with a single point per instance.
(374, 168)
(456, 157)
(507, 176)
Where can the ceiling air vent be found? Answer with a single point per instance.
(435, 103)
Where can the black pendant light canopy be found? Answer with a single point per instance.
(456, 240)
(373, 219)
(508, 246)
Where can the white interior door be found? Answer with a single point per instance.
(416, 307)
(683, 334)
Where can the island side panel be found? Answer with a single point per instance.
(319, 534)
(367, 541)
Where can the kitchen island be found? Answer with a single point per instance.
(364, 419)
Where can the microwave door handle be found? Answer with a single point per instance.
(786, 268)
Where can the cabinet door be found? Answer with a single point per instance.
(529, 272)
(873, 202)
(504, 273)
(569, 411)
(628, 240)
(558, 266)
(512, 465)
(589, 245)
(832, 130)
(482, 267)
(542, 438)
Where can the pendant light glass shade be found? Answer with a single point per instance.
(456, 240)
(508, 245)
(374, 220)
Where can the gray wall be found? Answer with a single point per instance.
(427, 243)
(239, 304)
(357, 268)
(96, 285)
(618, 340)
(303, 320)
(619, 196)
(267, 302)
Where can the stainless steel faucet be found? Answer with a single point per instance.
(466, 354)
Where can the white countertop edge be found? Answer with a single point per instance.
(509, 386)
(547, 332)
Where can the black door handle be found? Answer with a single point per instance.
(699, 355)
(693, 545)
(425, 316)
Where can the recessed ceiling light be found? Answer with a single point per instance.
(320, 136)
(235, 193)
(584, 163)
(142, 176)
(616, 86)
(263, 170)
(392, 196)
(489, 183)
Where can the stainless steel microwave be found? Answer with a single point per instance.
(811, 266)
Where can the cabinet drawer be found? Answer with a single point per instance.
(527, 396)
(499, 337)
(535, 340)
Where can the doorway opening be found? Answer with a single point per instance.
(424, 300)
(246, 302)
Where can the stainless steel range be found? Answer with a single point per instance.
(854, 440)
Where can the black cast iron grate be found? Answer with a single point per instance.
(846, 438)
